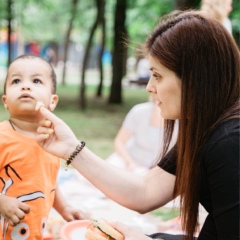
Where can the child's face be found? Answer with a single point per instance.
(28, 81)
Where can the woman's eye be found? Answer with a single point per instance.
(37, 81)
(156, 76)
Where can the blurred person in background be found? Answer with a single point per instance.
(139, 139)
(219, 9)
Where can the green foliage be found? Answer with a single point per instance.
(142, 16)
(100, 122)
(235, 16)
(42, 21)
(3, 13)
(47, 20)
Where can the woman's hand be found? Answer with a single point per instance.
(129, 233)
(55, 136)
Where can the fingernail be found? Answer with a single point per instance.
(50, 130)
(42, 109)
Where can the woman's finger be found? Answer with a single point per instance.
(50, 116)
(44, 130)
(42, 137)
(120, 227)
(45, 123)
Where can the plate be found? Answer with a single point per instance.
(74, 230)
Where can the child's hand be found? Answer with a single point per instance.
(70, 214)
(12, 209)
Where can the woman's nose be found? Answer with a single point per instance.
(150, 88)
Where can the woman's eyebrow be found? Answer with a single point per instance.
(154, 69)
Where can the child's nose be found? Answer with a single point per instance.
(26, 87)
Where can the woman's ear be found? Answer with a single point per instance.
(4, 100)
(53, 102)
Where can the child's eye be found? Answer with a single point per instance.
(37, 80)
(15, 81)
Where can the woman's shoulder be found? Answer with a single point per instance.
(223, 143)
(226, 131)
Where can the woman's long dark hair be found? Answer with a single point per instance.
(206, 59)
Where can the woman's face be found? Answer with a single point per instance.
(166, 88)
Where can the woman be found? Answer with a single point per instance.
(195, 67)
(139, 138)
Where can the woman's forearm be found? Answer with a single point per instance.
(109, 179)
(116, 183)
(149, 192)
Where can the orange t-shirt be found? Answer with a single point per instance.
(28, 173)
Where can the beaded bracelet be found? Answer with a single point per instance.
(77, 150)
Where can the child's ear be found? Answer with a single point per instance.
(53, 102)
(4, 100)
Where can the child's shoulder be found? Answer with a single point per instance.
(4, 129)
(4, 125)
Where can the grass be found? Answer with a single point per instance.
(100, 122)
(166, 213)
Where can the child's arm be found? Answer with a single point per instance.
(12, 209)
(67, 212)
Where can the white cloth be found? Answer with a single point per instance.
(146, 143)
(143, 68)
(228, 25)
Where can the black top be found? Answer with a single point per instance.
(219, 190)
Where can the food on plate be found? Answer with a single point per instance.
(39, 104)
(101, 230)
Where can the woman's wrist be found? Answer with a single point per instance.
(70, 148)
(76, 151)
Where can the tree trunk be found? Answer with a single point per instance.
(186, 4)
(67, 39)
(82, 100)
(9, 31)
(100, 54)
(119, 52)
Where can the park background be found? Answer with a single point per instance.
(92, 46)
